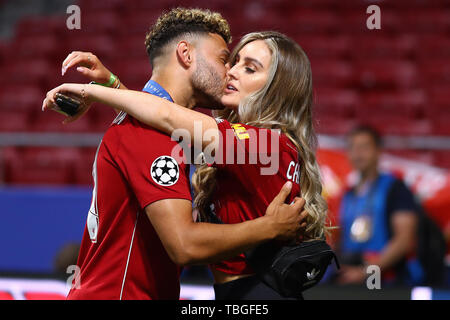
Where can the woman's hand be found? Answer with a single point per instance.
(76, 91)
(88, 65)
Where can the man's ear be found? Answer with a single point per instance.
(185, 53)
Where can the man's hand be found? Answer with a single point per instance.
(352, 275)
(88, 65)
(286, 219)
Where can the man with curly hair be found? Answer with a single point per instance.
(140, 226)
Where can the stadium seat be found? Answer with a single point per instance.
(99, 5)
(435, 46)
(83, 166)
(333, 125)
(332, 73)
(429, 21)
(21, 97)
(438, 102)
(398, 125)
(133, 71)
(312, 21)
(442, 158)
(130, 46)
(30, 71)
(51, 121)
(39, 26)
(408, 104)
(14, 121)
(374, 46)
(138, 22)
(40, 166)
(325, 47)
(340, 102)
(100, 21)
(100, 44)
(35, 46)
(435, 73)
(441, 125)
(386, 74)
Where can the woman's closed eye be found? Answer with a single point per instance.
(249, 70)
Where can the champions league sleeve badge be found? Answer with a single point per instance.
(165, 171)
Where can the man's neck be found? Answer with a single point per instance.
(367, 177)
(181, 93)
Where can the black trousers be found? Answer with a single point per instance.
(247, 288)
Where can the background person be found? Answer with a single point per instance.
(378, 219)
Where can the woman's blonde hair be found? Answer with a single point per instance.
(285, 103)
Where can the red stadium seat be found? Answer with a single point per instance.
(439, 103)
(21, 97)
(332, 73)
(436, 46)
(102, 5)
(41, 166)
(14, 121)
(442, 158)
(330, 124)
(374, 46)
(99, 44)
(325, 47)
(40, 26)
(132, 71)
(51, 121)
(441, 125)
(435, 73)
(397, 125)
(100, 21)
(138, 22)
(387, 74)
(35, 46)
(409, 104)
(312, 21)
(130, 46)
(428, 21)
(83, 166)
(308, 4)
(27, 72)
(340, 102)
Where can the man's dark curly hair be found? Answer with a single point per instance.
(181, 21)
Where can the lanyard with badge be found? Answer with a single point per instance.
(361, 229)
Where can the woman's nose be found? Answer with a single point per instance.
(232, 72)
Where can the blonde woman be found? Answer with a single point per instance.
(269, 87)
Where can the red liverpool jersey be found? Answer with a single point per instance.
(253, 164)
(121, 256)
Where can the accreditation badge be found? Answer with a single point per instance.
(361, 229)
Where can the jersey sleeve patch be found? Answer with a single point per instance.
(165, 171)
